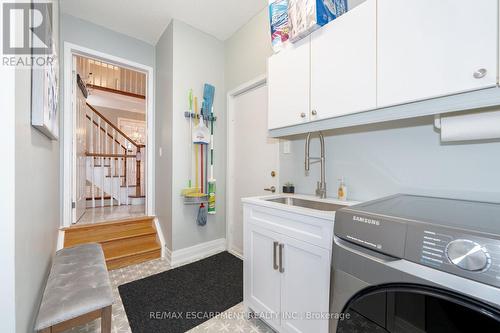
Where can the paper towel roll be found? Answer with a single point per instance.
(471, 126)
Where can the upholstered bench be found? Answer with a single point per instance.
(78, 290)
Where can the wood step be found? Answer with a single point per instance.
(99, 198)
(124, 242)
(133, 259)
(139, 220)
(118, 249)
(108, 235)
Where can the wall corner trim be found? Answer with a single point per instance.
(196, 252)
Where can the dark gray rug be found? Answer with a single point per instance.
(182, 298)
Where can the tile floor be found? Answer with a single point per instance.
(102, 214)
(232, 320)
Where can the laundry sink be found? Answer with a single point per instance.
(318, 205)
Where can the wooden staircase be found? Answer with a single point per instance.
(124, 242)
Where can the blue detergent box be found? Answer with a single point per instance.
(305, 16)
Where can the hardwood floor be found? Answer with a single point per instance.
(124, 242)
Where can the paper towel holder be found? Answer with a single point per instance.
(437, 121)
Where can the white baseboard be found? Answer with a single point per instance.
(236, 253)
(159, 232)
(167, 255)
(197, 252)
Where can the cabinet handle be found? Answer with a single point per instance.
(480, 73)
(282, 269)
(314, 112)
(275, 265)
(302, 115)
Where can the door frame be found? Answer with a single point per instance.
(70, 50)
(255, 83)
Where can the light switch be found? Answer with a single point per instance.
(160, 151)
(287, 146)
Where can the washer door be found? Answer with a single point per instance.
(402, 308)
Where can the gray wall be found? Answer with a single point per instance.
(198, 58)
(163, 133)
(36, 206)
(246, 52)
(90, 35)
(7, 204)
(404, 156)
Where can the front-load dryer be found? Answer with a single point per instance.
(416, 264)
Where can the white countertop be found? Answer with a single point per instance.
(263, 201)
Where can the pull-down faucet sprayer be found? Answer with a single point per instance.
(321, 186)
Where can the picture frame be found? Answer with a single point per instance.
(45, 83)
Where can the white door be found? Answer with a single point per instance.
(262, 280)
(288, 80)
(253, 158)
(429, 48)
(343, 64)
(80, 149)
(305, 286)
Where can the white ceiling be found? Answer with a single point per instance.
(147, 19)
(106, 99)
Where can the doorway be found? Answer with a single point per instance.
(108, 138)
(252, 156)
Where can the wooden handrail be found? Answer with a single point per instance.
(116, 91)
(102, 129)
(115, 127)
(110, 155)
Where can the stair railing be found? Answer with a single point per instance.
(110, 147)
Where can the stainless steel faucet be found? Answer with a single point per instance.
(321, 187)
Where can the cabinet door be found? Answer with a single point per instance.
(305, 286)
(288, 82)
(429, 48)
(343, 64)
(262, 278)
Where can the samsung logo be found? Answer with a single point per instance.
(365, 220)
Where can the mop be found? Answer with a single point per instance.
(208, 111)
(201, 219)
(211, 181)
(195, 192)
(190, 190)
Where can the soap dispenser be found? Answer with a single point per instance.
(342, 191)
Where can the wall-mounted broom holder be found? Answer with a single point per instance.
(198, 116)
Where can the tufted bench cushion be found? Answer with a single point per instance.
(78, 284)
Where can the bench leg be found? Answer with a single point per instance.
(106, 320)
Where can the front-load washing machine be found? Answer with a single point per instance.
(416, 264)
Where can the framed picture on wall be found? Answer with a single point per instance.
(45, 73)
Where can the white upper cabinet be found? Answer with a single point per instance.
(343, 64)
(429, 48)
(288, 84)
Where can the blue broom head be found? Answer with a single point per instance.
(208, 98)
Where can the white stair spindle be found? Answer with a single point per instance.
(92, 159)
(112, 168)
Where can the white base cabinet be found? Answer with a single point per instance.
(286, 276)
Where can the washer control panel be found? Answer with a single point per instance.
(467, 255)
